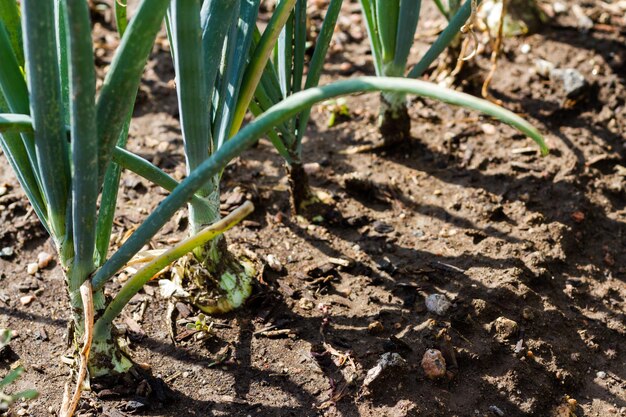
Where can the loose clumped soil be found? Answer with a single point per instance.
(528, 251)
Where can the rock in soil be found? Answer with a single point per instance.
(43, 260)
(274, 263)
(438, 304)
(386, 362)
(434, 364)
(32, 268)
(27, 299)
(7, 252)
(505, 328)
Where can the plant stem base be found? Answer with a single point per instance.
(220, 282)
(394, 121)
(107, 358)
(302, 200)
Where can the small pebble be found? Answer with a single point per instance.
(496, 410)
(543, 67)
(32, 268)
(43, 260)
(274, 263)
(574, 83)
(345, 66)
(505, 328)
(7, 252)
(488, 129)
(27, 299)
(578, 216)
(133, 406)
(525, 48)
(434, 364)
(312, 168)
(306, 304)
(375, 327)
(601, 374)
(438, 304)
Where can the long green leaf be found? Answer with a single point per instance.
(18, 123)
(15, 123)
(258, 61)
(299, 44)
(443, 40)
(237, 49)
(12, 83)
(84, 139)
(284, 56)
(121, 21)
(10, 16)
(110, 186)
(265, 101)
(369, 11)
(278, 143)
(145, 169)
(15, 93)
(269, 79)
(407, 25)
(323, 43)
(12, 376)
(16, 154)
(60, 15)
(279, 114)
(442, 9)
(28, 394)
(193, 101)
(190, 79)
(47, 110)
(317, 62)
(108, 201)
(122, 81)
(387, 15)
(216, 16)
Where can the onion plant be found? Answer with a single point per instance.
(60, 138)
(391, 26)
(219, 58)
(284, 76)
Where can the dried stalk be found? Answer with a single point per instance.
(68, 407)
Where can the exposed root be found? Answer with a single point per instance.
(380, 144)
(459, 63)
(469, 27)
(394, 122)
(497, 47)
(69, 406)
(300, 194)
(218, 284)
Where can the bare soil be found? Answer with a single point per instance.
(462, 209)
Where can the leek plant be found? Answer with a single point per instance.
(60, 138)
(391, 26)
(284, 76)
(219, 56)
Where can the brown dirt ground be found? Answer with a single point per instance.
(461, 210)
